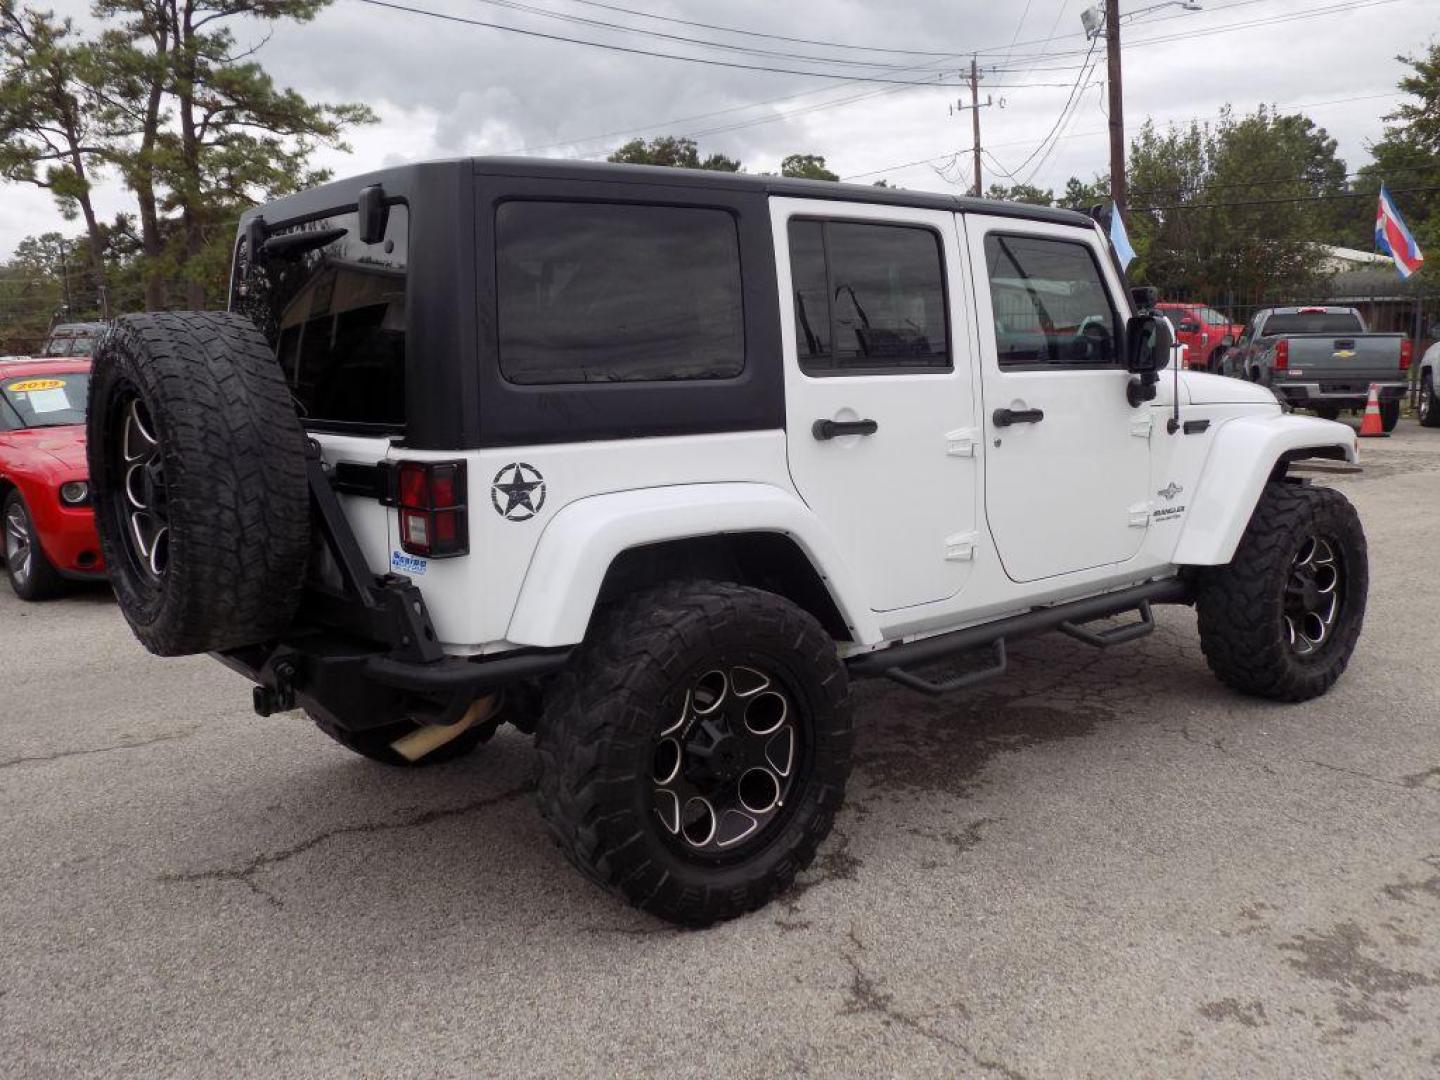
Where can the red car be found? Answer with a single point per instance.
(49, 529)
(1205, 332)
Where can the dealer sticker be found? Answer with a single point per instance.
(408, 564)
(29, 386)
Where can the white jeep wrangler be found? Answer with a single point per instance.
(652, 463)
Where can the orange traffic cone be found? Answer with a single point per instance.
(1372, 427)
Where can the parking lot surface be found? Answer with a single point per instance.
(1103, 865)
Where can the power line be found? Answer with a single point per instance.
(1349, 176)
(612, 47)
(1086, 134)
(1430, 189)
(515, 5)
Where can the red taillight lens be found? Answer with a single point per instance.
(434, 520)
(1407, 354)
(1282, 355)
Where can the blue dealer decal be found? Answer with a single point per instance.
(408, 564)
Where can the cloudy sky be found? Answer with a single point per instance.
(447, 88)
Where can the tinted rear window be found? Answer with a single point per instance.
(335, 316)
(1311, 322)
(597, 292)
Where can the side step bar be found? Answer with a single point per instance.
(892, 662)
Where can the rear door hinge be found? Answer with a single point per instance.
(1140, 426)
(962, 442)
(1139, 515)
(961, 547)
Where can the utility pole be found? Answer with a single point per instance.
(1117, 103)
(975, 116)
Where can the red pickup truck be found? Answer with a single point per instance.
(1205, 332)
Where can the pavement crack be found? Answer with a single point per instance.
(133, 745)
(1405, 784)
(867, 996)
(245, 874)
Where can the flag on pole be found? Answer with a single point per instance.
(1118, 238)
(1394, 239)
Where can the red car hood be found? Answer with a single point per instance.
(65, 444)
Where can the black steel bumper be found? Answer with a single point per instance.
(1341, 395)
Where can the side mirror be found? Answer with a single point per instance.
(374, 214)
(1144, 297)
(1148, 341)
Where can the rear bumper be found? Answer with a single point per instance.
(1353, 394)
(358, 686)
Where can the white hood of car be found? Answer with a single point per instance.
(1221, 390)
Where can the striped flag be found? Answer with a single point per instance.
(1394, 239)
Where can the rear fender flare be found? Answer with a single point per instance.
(1239, 465)
(574, 553)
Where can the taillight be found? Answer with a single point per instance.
(1282, 355)
(434, 520)
(1407, 354)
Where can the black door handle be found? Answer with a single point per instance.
(1006, 417)
(828, 429)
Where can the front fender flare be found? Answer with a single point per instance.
(1245, 452)
(581, 541)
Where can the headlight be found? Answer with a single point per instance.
(75, 493)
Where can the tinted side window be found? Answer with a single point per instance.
(597, 292)
(1051, 305)
(868, 298)
(333, 309)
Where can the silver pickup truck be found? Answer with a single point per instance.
(1324, 359)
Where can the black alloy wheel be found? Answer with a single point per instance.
(723, 770)
(137, 485)
(1314, 595)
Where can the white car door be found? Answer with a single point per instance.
(1067, 461)
(880, 406)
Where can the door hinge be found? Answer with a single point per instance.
(1141, 425)
(1139, 515)
(961, 547)
(962, 442)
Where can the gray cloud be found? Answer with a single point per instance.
(445, 89)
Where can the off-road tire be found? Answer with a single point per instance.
(1390, 414)
(1429, 403)
(602, 715)
(1328, 412)
(1241, 605)
(43, 581)
(233, 456)
(374, 743)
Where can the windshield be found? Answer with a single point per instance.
(45, 400)
(1210, 317)
(77, 343)
(1312, 322)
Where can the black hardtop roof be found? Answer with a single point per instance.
(340, 192)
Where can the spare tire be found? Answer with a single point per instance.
(197, 470)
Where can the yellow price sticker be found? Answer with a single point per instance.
(30, 385)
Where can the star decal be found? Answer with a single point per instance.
(518, 492)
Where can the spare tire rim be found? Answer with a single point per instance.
(726, 762)
(141, 493)
(17, 544)
(1314, 596)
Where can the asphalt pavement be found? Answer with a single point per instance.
(1105, 865)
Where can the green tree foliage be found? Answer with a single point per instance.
(807, 167)
(56, 129)
(1021, 193)
(1407, 159)
(675, 151)
(1230, 207)
(214, 132)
